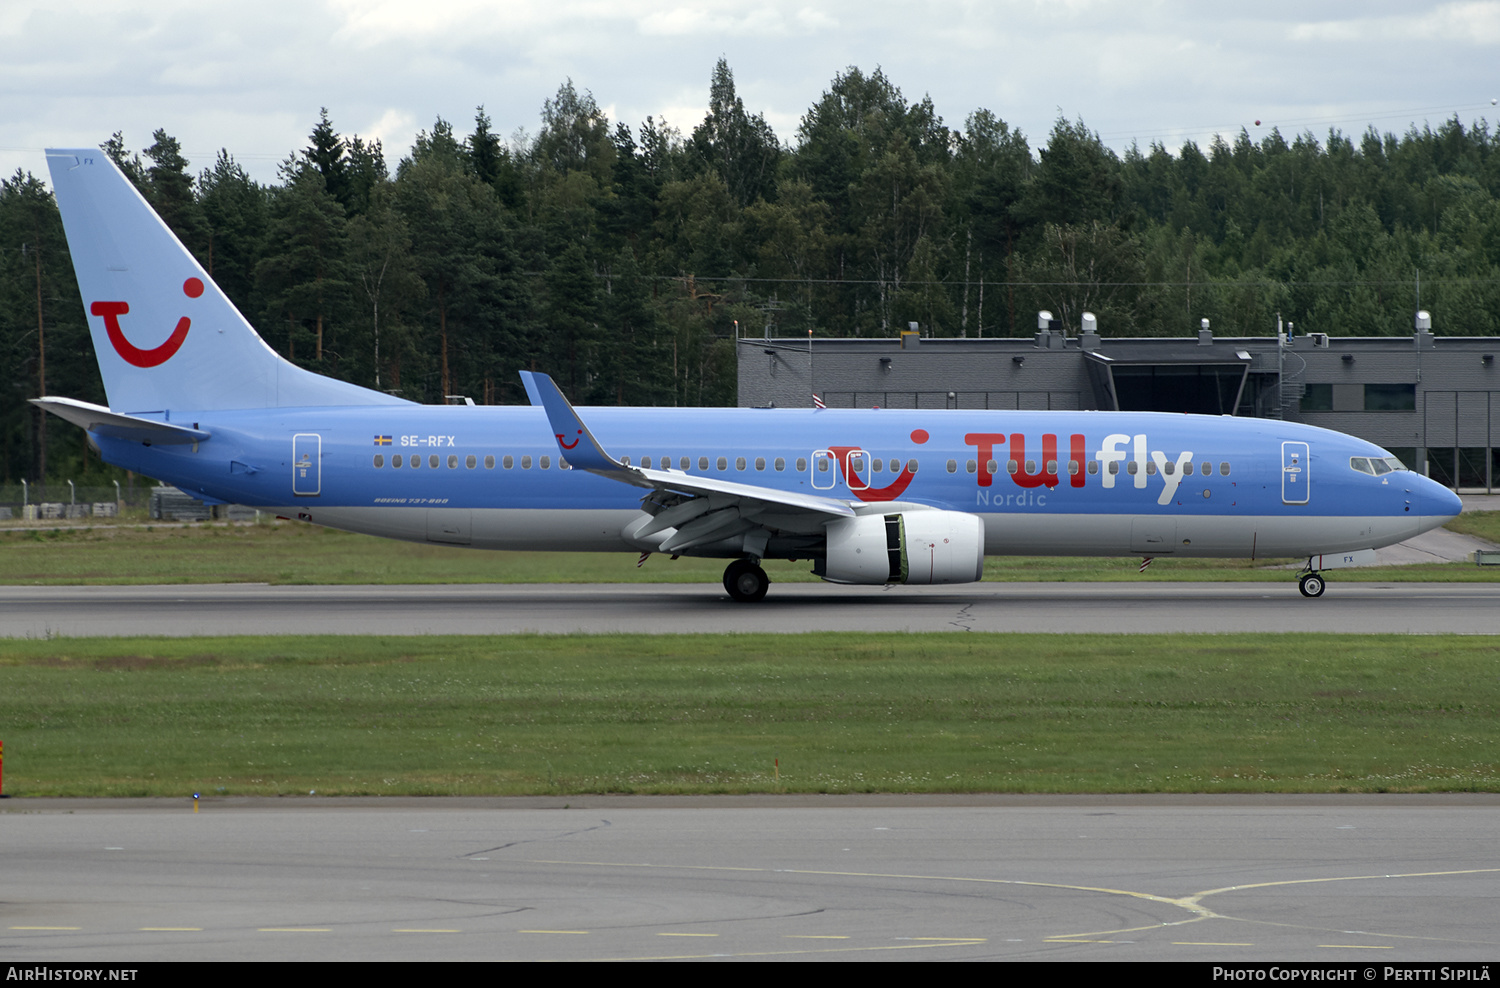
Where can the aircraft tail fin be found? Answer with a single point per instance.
(164, 334)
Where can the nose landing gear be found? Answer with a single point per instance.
(1311, 584)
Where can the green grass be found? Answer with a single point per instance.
(713, 714)
(291, 553)
(1481, 524)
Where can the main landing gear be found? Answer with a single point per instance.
(746, 581)
(1311, 584)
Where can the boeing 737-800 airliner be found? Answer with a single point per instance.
(197, 399)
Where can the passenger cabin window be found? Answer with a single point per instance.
(396, 460)
(702, 463)
(432, 461)
(470, 461)
(452, 461)
(379, 460)
(545, 463)
(508, 462)
(911, 464)
(760, 463)
(722, 463)
(780, 463)
(1224, 469)
(525, 463)
(952, 466)
(416, 461)
(801, 464)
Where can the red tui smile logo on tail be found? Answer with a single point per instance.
(111, 312)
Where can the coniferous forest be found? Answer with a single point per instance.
(623, 259)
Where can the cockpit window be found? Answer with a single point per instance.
(1375, 466)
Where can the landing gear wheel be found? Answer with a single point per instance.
(745, 581)
(1311, 584)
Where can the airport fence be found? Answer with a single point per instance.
(59, 502)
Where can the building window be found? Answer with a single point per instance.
(1319, 398)
(1390, 397)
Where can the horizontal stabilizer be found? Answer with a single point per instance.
(101, 421)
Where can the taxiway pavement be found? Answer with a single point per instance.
(1113, 608)
(1361, 880)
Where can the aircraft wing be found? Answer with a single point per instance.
(117, 425)
(701, 509)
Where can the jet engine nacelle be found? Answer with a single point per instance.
(918, 547)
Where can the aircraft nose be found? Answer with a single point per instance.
(1435, 500)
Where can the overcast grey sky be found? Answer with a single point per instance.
(251, 77)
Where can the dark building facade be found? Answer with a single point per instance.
(1432, 401)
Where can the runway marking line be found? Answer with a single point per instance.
(1355, 946)
(785, 953)
(1191, 903)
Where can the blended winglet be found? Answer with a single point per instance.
(575, 442)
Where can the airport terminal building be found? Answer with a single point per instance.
(1433, 401)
